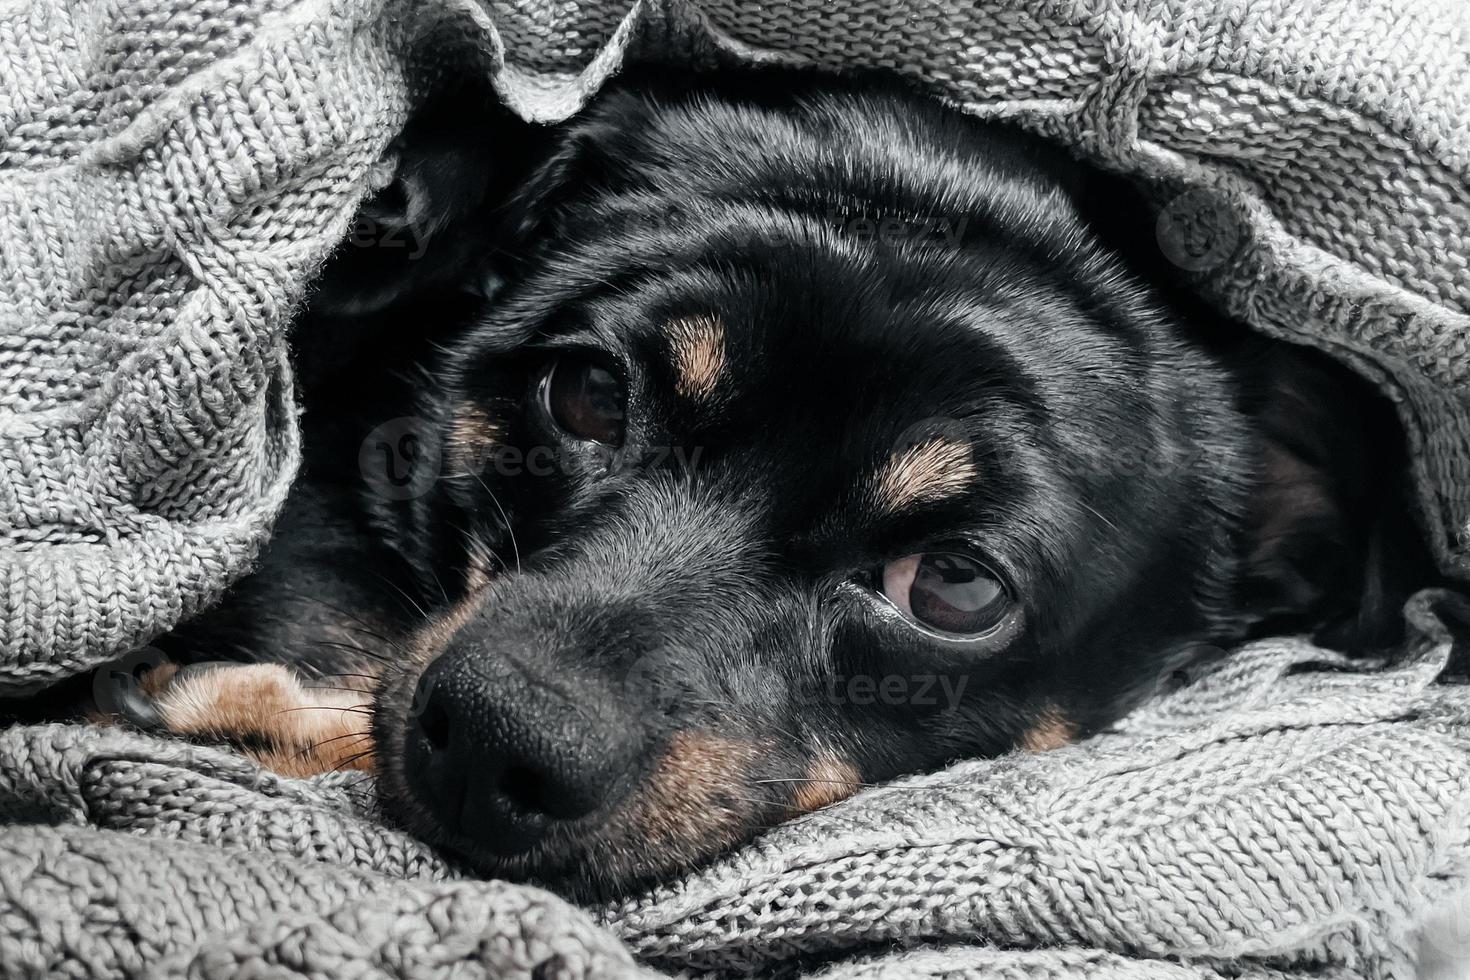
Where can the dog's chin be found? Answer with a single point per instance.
(585, 866)
(594, 860)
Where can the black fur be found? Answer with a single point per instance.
(1141, 477)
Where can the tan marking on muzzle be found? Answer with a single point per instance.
(433, 639)
(924, 473)
(829, 779)
(688, 796)
(697, 344)
(471, 432)
(306, 728)
(479, 569)
(1052, 731)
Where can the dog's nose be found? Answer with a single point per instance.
(501, 757)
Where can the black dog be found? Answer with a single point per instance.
(758, 439)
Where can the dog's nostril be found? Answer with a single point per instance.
(523, 788)
(562, 793)
(434, 723)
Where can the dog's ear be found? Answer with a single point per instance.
(586, 157)
(437, 224)
(1332, 545)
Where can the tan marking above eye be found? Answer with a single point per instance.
(829, 779)
(929, 471)
(471, 431)
(697, 345)
(1052, 731)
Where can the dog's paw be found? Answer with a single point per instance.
(291, 725)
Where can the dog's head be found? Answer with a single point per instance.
(813, 440)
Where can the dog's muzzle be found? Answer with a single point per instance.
(500, 753)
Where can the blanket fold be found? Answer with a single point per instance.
(172, 174)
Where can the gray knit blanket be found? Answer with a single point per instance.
(172, 173)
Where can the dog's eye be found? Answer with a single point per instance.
(949, 592)
(585, 400)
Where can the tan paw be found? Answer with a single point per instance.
(291, 725)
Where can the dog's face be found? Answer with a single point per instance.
(833, 448)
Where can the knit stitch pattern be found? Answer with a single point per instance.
(1277, 816)
(172, 174)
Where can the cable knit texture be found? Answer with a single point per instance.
(172, 172)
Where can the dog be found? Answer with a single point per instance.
(751, 439)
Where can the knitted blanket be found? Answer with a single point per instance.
(172, 173)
